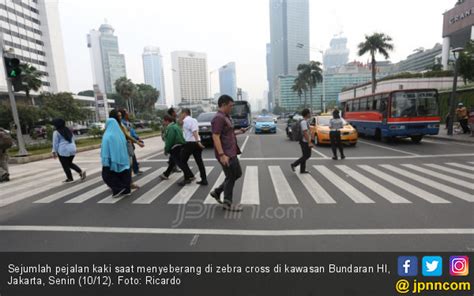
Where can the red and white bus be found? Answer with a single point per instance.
(401, 113)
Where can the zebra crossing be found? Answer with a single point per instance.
(442, 183)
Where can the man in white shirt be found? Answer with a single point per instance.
(193, 144)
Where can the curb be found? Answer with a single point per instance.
(451, 139)
(33, 158)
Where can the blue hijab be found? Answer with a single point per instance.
(114, 151)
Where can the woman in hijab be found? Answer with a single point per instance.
(115, 160)
(64, 148)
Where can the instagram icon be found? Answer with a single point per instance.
(459, 265)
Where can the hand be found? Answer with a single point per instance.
(243, 130)
(201, 145)
(166, 153)
(141, 144)
(224, 159)
(310, 145)
(54, 155)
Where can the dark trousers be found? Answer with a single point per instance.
(67, 164)
(232, 172)
(306, 150)
(465, 127)
(135, 165)
(176, 159)
(336, 143)
(192, 148)
(117, 181)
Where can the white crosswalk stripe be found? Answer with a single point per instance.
(375, 187)
(185, 194)
(209, 199)
(446, 189)
(345, 187)
(89, 194)
(35, 181)
(61, 194)
(250, 191)
(316, 191)
(152, 194)
(283, 190)
(461, 166)
(451, 171)
(444, 177)
(423, 194)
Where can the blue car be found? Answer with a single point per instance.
(265, 125)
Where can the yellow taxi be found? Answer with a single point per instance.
(319, 126)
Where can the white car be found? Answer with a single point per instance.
(99, 125)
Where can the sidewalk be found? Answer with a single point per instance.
(88, 159)
(443, 136)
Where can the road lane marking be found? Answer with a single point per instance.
(461, 166)
(209, 199)
(342, 185)
(153, 193)
(374, 186)
(321, 154)
(282, 188)
(16, 186)
(423, 194)
(243, 146)
(428, 182)
(457, 181)
(317, 192)
(153, 156)
(185, 194)
(239, 232)
(451, 171)
(388, 148)
(250, 189)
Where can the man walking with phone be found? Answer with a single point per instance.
(226, 150)
(305, 143)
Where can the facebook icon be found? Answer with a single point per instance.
(407, 266)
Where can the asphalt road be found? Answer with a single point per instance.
(395, 196)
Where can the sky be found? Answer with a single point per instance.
(237, 30)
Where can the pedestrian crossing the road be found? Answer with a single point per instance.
(329, 183)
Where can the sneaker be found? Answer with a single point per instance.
(216, 196)
(68, 181)
(134, 186)
(118, 194)
(83, 175)
(202, 183)
(176, 170)
(185, 182)
(5, 178)
(292, 168)
(305, 172)
(139, 173)
(233, 207)
(343, 157)
(126, 194)
(163, 177)
(334, 157)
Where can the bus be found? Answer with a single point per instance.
(241, 114)
(402, 113)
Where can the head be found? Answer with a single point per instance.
(124, 114)
(225, 103)
(171, 112)
(460, 105)
(167, 119)
(306, 113)
(336, 114)
(115, 114)
(58, 123)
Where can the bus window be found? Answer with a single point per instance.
(383, 106)
(375, 104)
(370, 102)
(355, 105)
(412, 104)
(363, 104)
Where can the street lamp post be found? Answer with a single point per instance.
(452, 102)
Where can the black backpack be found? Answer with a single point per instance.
(296, 132)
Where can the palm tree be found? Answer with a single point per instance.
(300, 87)
(31, 79)
(312, 74)
(126, 89)
(376, 43)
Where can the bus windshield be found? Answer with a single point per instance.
(414, 104)
(240, 110)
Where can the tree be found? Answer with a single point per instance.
(377, 43)
(86, 93)
(61, 105)
(466, 62)
(126, 88)
(145, 98)
(278, 110)
(300, 87)
(311, 74)
(31, 79)
(29, 115)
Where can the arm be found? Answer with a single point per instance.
(170, 139)
(224, 159)
(55, 144)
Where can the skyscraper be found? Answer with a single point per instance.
(228, 80)
(153, 71)
(269, 95)
(33, 30)
(108, 64)
(189, 77)
(337, 55)
(289, 38)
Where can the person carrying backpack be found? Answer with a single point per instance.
(6, 142)
(303, 135)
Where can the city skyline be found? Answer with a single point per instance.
(226, 37)
(153, 71)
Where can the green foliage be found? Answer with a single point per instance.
(95, 132)
(49, 132)
(31, 78)
(61, 105)
(466, 62)
(145, 98)
(278, 110)
(29, 115)
(466, 96)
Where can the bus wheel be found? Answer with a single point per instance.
(416, 139)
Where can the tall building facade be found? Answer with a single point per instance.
(269, 94)
(153, 71)
(421, 60)
(108, 64)
(32, 30)
(190, 81)
(289, 39)
(337, 55)
(228, 80)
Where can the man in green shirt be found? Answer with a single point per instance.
(174, 143)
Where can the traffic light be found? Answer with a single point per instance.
(12, 65)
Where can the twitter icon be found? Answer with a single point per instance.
(432, 266)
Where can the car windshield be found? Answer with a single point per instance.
(324, 121)
(205, 117)
(414, 104)
(264, 119)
